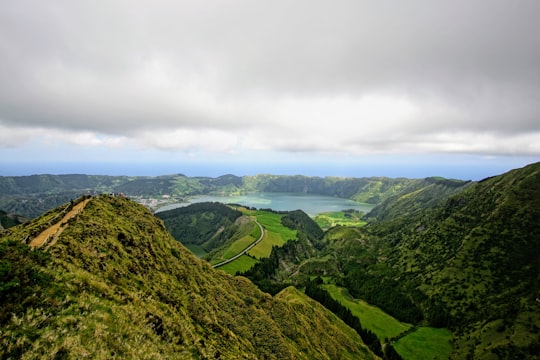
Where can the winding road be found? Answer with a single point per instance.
(251, 246)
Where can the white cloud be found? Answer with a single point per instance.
(189, 140)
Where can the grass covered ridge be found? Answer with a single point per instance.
(116, 284)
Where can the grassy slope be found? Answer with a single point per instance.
(342, 218)
(371, 317)
(275, 233)
(306, 309)
(241, 264)
(425, 344)
(475, 258)
(421, 343)
(117, 284)
(197, 250)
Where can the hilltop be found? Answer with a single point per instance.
(114, 283)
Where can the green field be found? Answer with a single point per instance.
(425, 343)
(371, 317)
(346, 218)
(239, 245)
(242, 264)
(275, 234)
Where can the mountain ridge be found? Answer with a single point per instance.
(116, 284)
(35, 194)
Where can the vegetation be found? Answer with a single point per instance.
(372, 318)
(314, 291)
(275, 233)
(116, 284)
(450, 254)
(349, 217)
(201, 224)
(469, 263)
(30, 196)
(425, 343)
(461, 257)
(10, 220)
(243, 263)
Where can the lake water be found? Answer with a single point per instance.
(311, 204)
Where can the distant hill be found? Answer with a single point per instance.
(417, 197)
(111, 282)
(33, 195)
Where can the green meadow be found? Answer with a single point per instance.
(345, 218)
(275, 233)
(425, 343)
(371, 317)
(241, 264)
(239, 245)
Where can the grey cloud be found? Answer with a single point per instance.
(124, 67)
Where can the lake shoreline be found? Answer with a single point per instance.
(311, 204)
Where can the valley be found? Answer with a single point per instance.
(436, 268)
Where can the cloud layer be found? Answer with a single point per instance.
(353, 77)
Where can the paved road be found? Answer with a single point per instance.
(251, 246)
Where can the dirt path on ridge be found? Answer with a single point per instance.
(55, 230)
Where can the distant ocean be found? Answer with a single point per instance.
(409, 169)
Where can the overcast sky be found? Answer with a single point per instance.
(346, 87)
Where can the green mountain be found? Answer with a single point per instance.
(102, 278)
(442, 253)
(417, 197)
(33, 195)
(208, 225)
(467, 259)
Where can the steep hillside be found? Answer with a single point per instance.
(208, 225)
(417, 197)
(470, 261)
(116, 284)
(372, 190)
